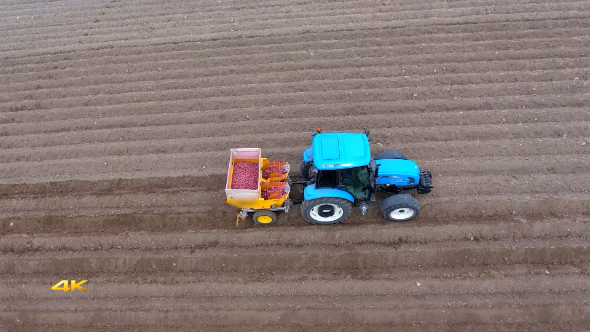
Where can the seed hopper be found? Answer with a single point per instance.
(256, 185)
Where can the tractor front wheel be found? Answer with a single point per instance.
(264, 218)
(326, 211)
(400, 208)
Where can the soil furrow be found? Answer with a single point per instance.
(388, 127)
(308, 317)
(32, 83)
(304, 84)
(329, 41)
(330, 16)
(302, 58)
(344, 302)
(221, 216)
(13, 284)
(185, 108)
(414, 327)
(285, 259)
(260, 97)
(378, 235)
(324, 41)
(407, 117)
(383, 140)
(143, 15)
(289, 31)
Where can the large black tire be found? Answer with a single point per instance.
(392, 154)
(401, 207)
(326, 211)
(306, 167)
(425, 185)
(264, 218)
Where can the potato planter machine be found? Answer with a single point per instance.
(338, 172)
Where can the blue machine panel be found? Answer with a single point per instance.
(340, 151)
(307, 155)
(398, 172)
(311, 192)
(330, 149)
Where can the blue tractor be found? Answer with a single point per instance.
(342, 173)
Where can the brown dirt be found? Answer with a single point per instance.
(116, 120)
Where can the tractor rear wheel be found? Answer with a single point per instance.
(392, 154)
(400, 208)
(264, 218)
(326, 211)
(307, 170)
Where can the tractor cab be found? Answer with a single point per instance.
(341, 161)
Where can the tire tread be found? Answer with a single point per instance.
(267, 213)
(306, 206)
(400, 201)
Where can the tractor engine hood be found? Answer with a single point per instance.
(398, 172)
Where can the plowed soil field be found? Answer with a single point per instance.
(116, 120)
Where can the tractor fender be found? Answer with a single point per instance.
(311, 192)
(307, 155)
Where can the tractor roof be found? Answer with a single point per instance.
(339, 151)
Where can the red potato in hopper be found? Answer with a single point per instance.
(245, 175)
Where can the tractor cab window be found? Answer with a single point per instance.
(356, 181)
(327, 179)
